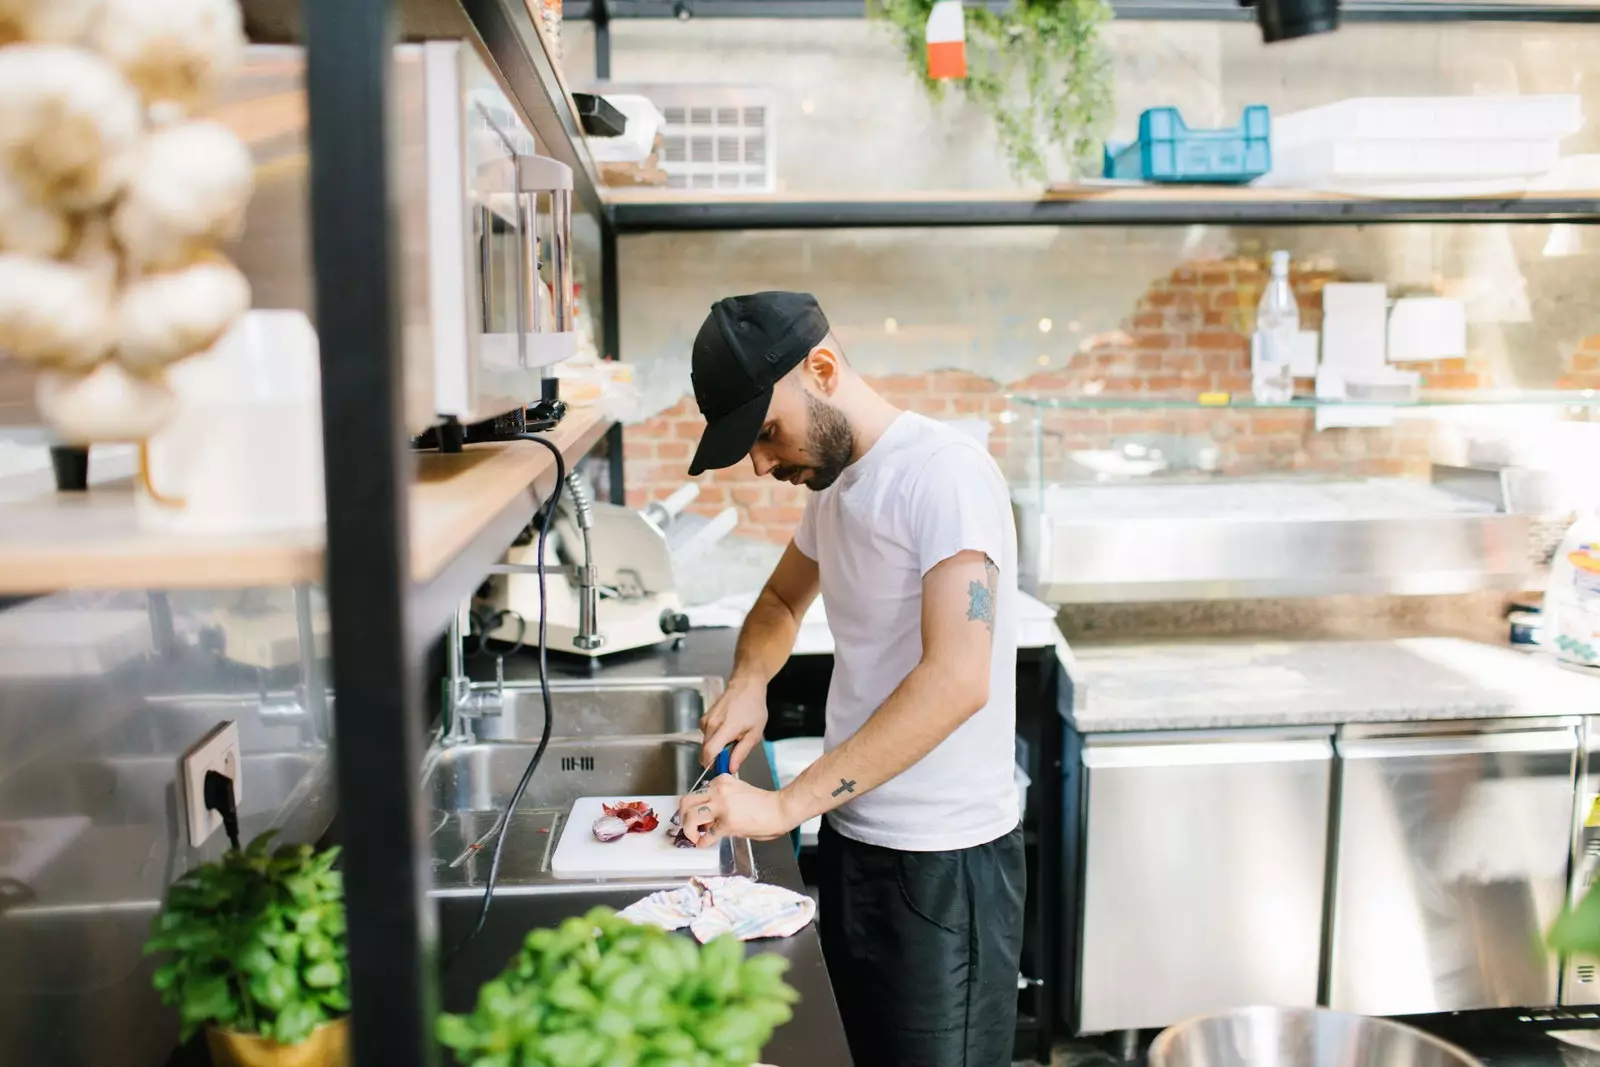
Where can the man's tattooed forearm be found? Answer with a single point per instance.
(981, 596)
(846, 785)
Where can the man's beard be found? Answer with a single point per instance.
(829, 440)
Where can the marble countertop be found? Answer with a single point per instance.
(1212, 684)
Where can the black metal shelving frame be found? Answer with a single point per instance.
(382, 622)
(1352, 11)
(734, 213)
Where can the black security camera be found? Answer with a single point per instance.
(1284, 20)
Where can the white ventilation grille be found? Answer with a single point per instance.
(716, 138)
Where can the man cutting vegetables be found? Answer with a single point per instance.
(909, 538)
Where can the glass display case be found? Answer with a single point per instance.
(1142, 497)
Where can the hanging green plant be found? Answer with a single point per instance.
(1038, 67)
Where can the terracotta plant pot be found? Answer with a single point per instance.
(328, 1046)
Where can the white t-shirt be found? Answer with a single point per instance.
(923, 493)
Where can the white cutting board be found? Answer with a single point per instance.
(579, 855)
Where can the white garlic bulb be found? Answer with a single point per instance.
(54, 21)
(68, 124)
(174, 51)
(55, 314)
(188, 189)
(27, 227)
(161, 318)
(107, 404)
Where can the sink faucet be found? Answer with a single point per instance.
(588, 636)
(463, 700)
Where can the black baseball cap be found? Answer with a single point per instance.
(743, 348)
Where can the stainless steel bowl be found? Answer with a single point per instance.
(1300, 1037)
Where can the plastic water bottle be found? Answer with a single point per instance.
(1277, 332)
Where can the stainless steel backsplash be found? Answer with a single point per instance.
(101, 694)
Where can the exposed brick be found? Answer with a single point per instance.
(902, 383)
(1452, 381)
(675, 450)
(1219, 341)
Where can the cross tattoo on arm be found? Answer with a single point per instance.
(846, 785)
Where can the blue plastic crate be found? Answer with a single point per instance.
(1169, 151)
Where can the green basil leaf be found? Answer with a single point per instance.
(273, 988)
(324, 975)
(256, 959)
(576, 1048)
(210, 1000)
(318, 947)
(455, 1032)
(295, 1022)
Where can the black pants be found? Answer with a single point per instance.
(923, 949)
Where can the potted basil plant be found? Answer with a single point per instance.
(256, 955)
(599, 991)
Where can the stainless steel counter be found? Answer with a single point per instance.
(1203, 685)
(813, 1038)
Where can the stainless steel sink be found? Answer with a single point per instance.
(620, 708)
(612, 739)
(481, 777)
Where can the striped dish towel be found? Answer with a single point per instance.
(711, 907)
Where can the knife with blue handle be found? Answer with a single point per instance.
(723, 764)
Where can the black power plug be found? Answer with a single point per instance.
(218, 790)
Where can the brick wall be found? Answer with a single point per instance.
(1187, 334)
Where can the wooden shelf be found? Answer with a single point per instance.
(647, 210)
(461, 507)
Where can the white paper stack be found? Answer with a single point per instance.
(1427, 327)
(1354, 328)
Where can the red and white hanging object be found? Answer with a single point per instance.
(947, 40)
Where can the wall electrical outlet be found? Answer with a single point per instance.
(217, 751)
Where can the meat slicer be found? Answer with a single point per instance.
(608, 575)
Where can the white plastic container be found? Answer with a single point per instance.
(244, 452)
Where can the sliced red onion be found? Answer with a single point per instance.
(609, 828)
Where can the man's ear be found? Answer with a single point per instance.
(823, 367)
